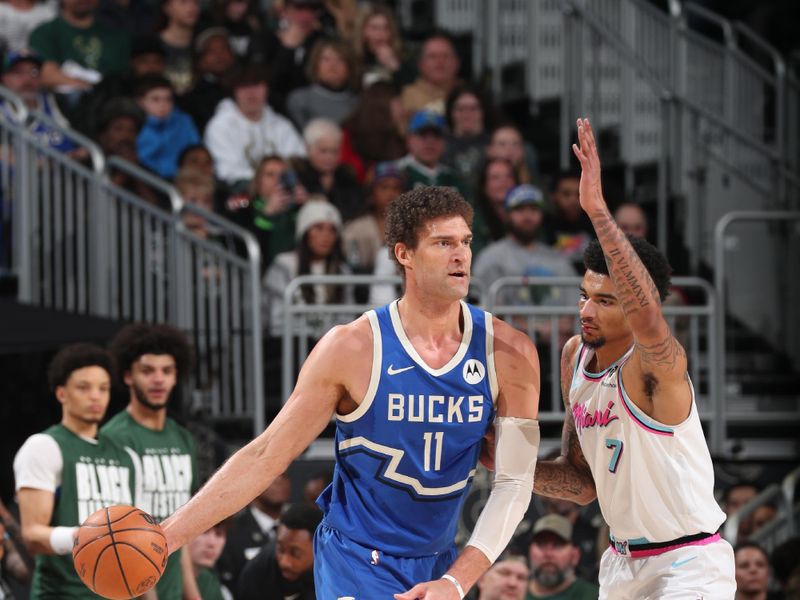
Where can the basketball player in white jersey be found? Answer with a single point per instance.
(632, 435)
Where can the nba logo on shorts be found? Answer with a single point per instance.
(474, 371)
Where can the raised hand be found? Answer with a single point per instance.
(591, 192)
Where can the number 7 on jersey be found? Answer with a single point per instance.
(616, 447)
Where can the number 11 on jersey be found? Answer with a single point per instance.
(616, 447)
(431, 439)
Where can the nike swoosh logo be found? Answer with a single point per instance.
(392, 371)
(680, 563)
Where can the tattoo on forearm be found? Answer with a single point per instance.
(635, 288)
(561, 480)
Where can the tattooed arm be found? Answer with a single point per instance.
(567, 477)
(655, 377)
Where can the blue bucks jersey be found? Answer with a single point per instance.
(406, 456)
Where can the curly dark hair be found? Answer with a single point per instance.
(137, 339)
(77, 356)
(302, 516)
(654, 261)
(406, 216)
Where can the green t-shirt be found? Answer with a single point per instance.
(166, 467)
(94, 475)
(209, 585)
(95, 47)
(579, 590)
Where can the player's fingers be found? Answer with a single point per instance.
(578, 153)
(590, 134)
(418, 591)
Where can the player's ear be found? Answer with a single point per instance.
(60, 393)
(127, 378)
(403, 254)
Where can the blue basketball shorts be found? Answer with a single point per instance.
(346, 570)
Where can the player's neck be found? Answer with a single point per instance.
(80, 428)
(428, 319)
(740, 595)
(147, 417)
(609, 353)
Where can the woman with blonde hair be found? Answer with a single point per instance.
(378, 47)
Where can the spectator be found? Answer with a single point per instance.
(495, 180)
(284, 569)
(735, 497)
(244, 129)
(77, 50)
(322, 173)
(330, 95)
(372, 133)
(238, 19)
(520, 252)
(584, 534)
(118, 126)
(631, 219)
(378, 47)
(178, 20)
(269, 211)
(5, 589)
(752, 572)
(506, 579)
(21, 75)
(785, 562)
(16, 565)
(438, 66)
(127, 15)
(18, 18)
(466, 112)
(196, 188)
(252, 528)
(763, 515)
(315, 485)
(288, 50)
(384, 293)
(568, 227)
(364, 237)
(318, 252)
(166, 130)
(213, 61)
(198, 157)
(553, 559)
(423, 163)
(506, 142)
(146, 59)
(204, 551)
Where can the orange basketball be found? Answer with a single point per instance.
(120, 552)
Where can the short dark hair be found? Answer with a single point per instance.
(247, 75)
(726, 496)
(147, 83)
(561, 176)
(654, 261)
(137, 339)
(77, 356)
(755, 545)
(302, 516)
(413, 209)
(438, 34)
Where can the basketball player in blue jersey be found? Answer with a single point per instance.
(413, 386)
(632, 435)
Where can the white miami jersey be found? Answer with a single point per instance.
(655, 483)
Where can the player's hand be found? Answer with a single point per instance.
(591, 192)
(441, 589)
(487, 449)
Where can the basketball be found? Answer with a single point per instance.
(120, 552)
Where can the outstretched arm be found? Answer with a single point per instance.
(567, 477)
(659, 361)
(253, 468)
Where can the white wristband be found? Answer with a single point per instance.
(61, 539)
(454, 581)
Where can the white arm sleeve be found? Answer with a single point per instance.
(515, 454)
(38, 464)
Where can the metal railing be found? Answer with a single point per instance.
(85, 245)
(785, 523)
